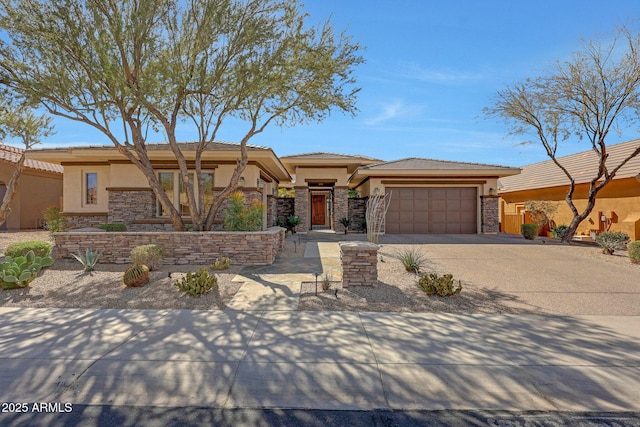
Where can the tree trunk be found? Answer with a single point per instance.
(577, 219)
(11, 189)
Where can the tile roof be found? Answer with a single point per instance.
(582, 166)
(421, 163)
(328, 156)
(12, 155)
(218, 145)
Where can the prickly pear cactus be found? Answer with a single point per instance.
(196, 284)
(135, 276)
(18, 272)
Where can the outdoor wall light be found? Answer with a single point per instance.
(492, 191)
(376, 190)
(260, 183)
(241, 181)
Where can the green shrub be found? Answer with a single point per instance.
(634, 251)
(39, 247)
(149, 255)
(529, 231)
(113, 226)
(345, 223)
(442, 286)
(612, 240)
(412, 259)
(241, 216)
(135, 276)
(196, 284)
(54, 220)
(222, 263)
(293, 221)
(560, 231)
(89, 259)
(18, 272)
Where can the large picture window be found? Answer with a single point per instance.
(91, 188)
(173, 187)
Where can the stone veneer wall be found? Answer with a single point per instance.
(272, 210)
(243, 248)
(301, 208)
(83, 221)
(340, 207)
(359, 263)
(127, 206)
(490, 218)
(286, 208)
(357, 211)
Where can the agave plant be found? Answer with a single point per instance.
(89, 259)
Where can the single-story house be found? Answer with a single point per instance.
(39, 187)
(617, 205)
(427, 196)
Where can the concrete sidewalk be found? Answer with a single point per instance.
(323, 360)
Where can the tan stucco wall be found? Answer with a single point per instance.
(36, 191)
(127, 176)
(319, 173)
(368, 188)
(621, 197)
(74, 188)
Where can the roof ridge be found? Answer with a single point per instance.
(330, 152)
(441, 161)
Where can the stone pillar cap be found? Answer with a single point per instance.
(359, 245)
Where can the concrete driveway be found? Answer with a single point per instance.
(535, 277)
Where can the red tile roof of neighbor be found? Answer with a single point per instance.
(582, 166)
(9, 154)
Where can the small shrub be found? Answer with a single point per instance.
(327, 278)
(442, 286)
(612, 240)
(240, 217)
(54, 220)
(529, 231)
(292, 222)
(345, 222)
(149, 255)
(560, 231)
(18, 272)
(196, 284)
(412, 260)
(634, 251)
(113, 226)
(221, 263)
(353, 193)
(39, 247)
(89, 259)
(135, 276)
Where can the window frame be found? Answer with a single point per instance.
(177, 189)
(86, 187)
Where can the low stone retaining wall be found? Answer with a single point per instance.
(242, 247)
(359, 263)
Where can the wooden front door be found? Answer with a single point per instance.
(318, 209)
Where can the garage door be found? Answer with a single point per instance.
(432, 211)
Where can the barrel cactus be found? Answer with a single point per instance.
(135, 276)
(18, 272)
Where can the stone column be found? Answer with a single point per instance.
(301, 208)
(489, 215)
(340, 207)
(359, 263)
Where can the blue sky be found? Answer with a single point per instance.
(431, 67)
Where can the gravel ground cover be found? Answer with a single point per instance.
(499, 275)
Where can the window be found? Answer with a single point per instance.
(91, 188)
(174, 189)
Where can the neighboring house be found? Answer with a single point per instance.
(39, 187)
(617, 205)
(427, 196)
